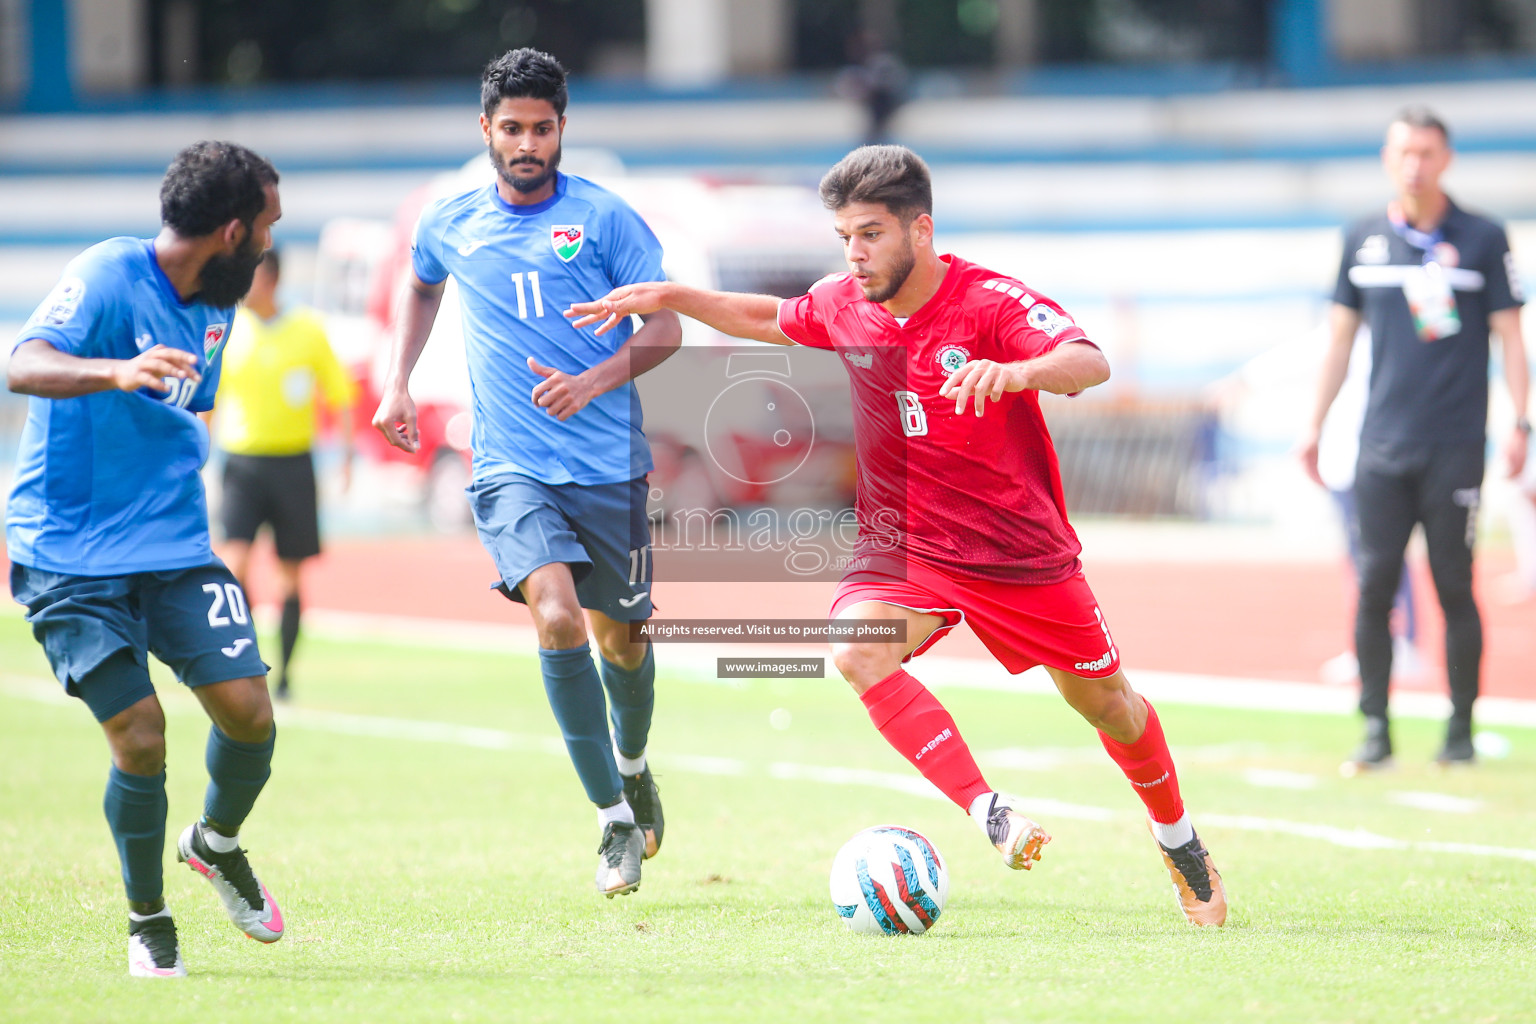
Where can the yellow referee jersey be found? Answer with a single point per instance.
(272, 369)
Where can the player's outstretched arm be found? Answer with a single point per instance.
(396, 415)
(563, 395)
(37, 368)
(1065, 370)
(755, 317)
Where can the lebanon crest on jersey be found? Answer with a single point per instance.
(567, 239)
(952, 357)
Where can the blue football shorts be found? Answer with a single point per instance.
(599, 530)
(194, 620)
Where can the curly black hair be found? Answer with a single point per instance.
(210, 184)
(523, 72)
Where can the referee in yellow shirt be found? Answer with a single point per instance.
(274, 364)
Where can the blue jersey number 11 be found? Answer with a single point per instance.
(522, 299)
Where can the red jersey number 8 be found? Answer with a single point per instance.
(914, 422)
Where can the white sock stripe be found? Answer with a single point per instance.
(162, 912)
(628, 766)
(220, 843)
(1173, 834)
(619, 812)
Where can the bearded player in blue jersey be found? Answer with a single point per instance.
(558, 481)
(107, 526)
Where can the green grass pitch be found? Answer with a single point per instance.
(443, 872)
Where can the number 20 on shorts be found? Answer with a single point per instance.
(226, 596)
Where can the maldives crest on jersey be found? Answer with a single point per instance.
(567, 239)
(952, 357)
(213, 339)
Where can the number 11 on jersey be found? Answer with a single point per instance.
(522, 298)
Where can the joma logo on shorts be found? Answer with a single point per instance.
(940, 738)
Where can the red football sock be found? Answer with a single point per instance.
(913, 721)
(1149, 766)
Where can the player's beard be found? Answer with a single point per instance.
(526, 185)
(226, 279)
(900, 270)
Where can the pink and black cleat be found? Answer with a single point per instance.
(249, 905)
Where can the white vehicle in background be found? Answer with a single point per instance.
(775, 239)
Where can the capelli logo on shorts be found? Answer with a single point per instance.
(1097, 665)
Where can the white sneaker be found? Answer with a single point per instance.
(249, 905)
(153, 951)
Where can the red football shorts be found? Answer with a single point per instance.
(1055, 624)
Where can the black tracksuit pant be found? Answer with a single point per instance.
(1438, 486)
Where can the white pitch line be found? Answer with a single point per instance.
(1442, 802)
(414, 729)
(1359, 838)
(1352, 838)
(1274, 778)
(373, 727)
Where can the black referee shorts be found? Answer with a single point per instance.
(275, 489)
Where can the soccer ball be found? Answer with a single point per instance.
(889, 880)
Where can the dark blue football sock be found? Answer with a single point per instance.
(135, 807)
(236, 774)
(631, 696)
(576, 698)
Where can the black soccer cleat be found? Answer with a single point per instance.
(1374, 752)
(645, 800)
(1459, 750)
(153, 951)
(618, 859)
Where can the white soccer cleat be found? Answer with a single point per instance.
(249, 905)
(618, 859)
(1016, 837)
(153, 951)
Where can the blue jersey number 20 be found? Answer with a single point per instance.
(181, 391)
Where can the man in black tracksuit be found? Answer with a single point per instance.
(1429, 280)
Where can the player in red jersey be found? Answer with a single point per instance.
(960, 505)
